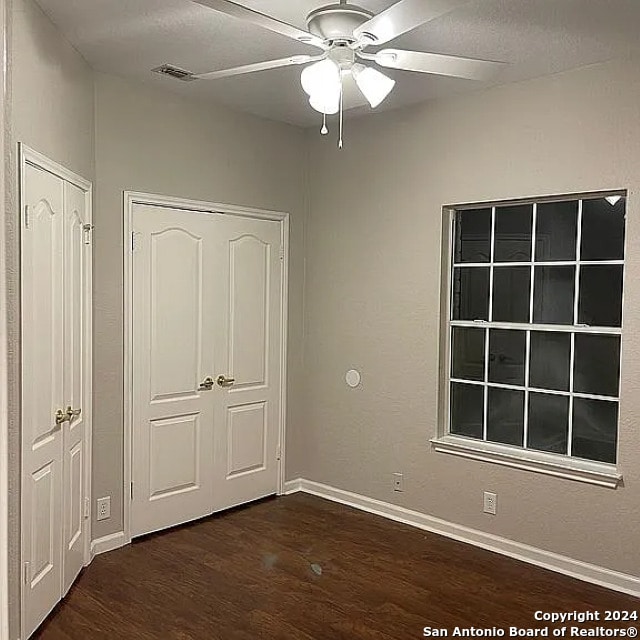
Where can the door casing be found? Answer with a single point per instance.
(132, 198)
(28, 156)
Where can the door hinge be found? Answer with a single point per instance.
(133, 241)
(26, 573)
(132, 490)
(278, 453)
(87, 228)
(26, 216)
(87, 508)
(281, 252)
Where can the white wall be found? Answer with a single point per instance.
(52, 92)
(158, 143)
(51, 110)
(4, 377)
(373, 295)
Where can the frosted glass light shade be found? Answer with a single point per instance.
(375, 86)
(325, 102)
(323, 76)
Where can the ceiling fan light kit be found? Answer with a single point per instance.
(342, 31)
(375, 86)
(322, 82)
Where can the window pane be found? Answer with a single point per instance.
(550, 360)
(471, 293)
(602, 230)
(506, 356)
(556, 231)
(595, 429)
(473, 236)
(553, 295)
(597, 365)
(468, 353)
(548, 422)
(513, 234)
(505, 418)
(467, 409)
(600, 303)
(511, 294)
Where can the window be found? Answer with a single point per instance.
(535, 325)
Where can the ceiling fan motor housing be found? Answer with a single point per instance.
(336, 22)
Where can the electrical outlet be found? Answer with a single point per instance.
(490, 503)
(398, 482)
(103, 511)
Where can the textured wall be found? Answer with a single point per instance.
(373, 292)
(154, 142)
(51, 90)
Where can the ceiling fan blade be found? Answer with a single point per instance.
(437, 64)
(258, 66)
(267, 22)
(404, 16)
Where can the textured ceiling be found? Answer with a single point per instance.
(535, 37)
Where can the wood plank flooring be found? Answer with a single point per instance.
(302, 568)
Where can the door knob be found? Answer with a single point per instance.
(223, 381)
(72, 413)
(61, 416)
(206, 384)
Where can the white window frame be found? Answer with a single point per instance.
(559, 465)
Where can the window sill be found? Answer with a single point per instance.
(598, 473)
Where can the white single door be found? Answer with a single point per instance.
(75, 264)
(248, 331)
(207, 325)
(173, 355)
(42, 393)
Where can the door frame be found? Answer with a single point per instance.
(28, 156)
(132, 198)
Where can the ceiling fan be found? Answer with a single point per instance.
(342, 32)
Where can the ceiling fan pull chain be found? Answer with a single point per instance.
(341, 110)
(324, 129)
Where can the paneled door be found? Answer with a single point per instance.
(173, 350)
(207, 324)
(75, 255)
(247, 326)
(55, 374)
(42, 393)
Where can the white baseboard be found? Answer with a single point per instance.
(108, 543)
(562, 564)
(292, 486)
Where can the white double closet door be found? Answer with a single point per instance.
(55, 373)
(207, 337)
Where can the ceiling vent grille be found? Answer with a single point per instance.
(175, 72)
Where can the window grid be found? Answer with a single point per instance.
(485, 417)
(524, 326)
(489, 324)
(540, 263)
(551, 392)
(572, 353)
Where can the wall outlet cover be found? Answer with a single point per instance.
(103, 511)
(398, 482)
(490, 503)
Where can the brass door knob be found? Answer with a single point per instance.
(223, 381)
(60, 416)
(206, 384)
(72, 413)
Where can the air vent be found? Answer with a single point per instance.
(175, 72)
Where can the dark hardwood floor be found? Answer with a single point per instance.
(301, 568)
